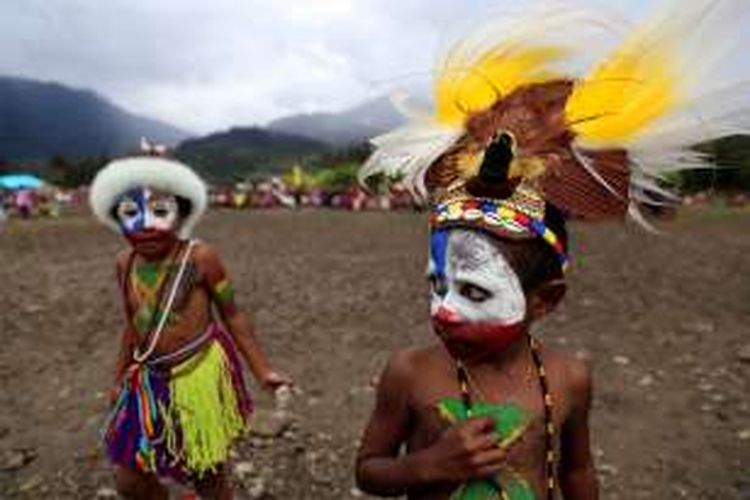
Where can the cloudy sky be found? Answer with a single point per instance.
(206, 65)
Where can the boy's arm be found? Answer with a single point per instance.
(379, 469)
(128, 338)
(576, 468)
(462, 452)
(239, 325)
(125, 355)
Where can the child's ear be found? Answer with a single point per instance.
(545, 298)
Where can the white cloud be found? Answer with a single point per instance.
(210, 65)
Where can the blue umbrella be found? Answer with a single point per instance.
(20, 181)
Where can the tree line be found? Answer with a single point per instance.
(731, 154)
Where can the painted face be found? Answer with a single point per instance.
(149, 220)
(478, 305)
(141, 209)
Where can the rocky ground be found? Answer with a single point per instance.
(665, 320)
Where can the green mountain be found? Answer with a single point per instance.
(244, 151)
(343, 128)
(39, 120)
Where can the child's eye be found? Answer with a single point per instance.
(474, 293)
(127, 210)
(161, 212)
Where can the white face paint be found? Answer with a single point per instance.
(472, 278)
(142, 209)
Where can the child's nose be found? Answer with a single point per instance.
(148, 220)
(447, 314)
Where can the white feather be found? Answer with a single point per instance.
(635, 214)
(713, 78)
(408, 151)
(708, 44)
(547, 25)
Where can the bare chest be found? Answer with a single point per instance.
(159, 301)
(514, 402)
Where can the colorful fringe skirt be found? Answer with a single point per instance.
(180, 420)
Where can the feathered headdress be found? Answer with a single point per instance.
(522, 121)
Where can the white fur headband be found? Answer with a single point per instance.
(120, 176)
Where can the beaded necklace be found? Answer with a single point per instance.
(462, 374)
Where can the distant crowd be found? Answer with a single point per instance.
(275, 194)
(42, 202)
(53, 202)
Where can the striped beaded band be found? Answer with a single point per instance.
(511, 216)
(549, 426)
(464, 382)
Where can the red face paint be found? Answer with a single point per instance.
(474, 340)
(152, 244)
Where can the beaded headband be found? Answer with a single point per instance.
(520, 216)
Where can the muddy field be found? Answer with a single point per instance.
(666, 321)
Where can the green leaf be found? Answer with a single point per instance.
(515, 487)
(510, 419)
(477, 490)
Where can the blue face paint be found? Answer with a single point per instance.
(131, 211)
(439, 251)
(144, 209)
(477, 304)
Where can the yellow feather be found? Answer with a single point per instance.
(526, 168)
(625, 93)
(462, 87)
(468, 163)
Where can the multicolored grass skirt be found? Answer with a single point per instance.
(180, 421)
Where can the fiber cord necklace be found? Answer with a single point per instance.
(464, 380)
(155, 334)
(130, 282)
(155, 297)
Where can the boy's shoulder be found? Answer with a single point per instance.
(203, 252)
(201, 248)
(575, 364)
(415, 358)
(205, 257)
(569, 372)
(122, 258)
(407, 365)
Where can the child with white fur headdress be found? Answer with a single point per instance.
(180, 397)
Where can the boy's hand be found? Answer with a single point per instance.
(272, 380)
(466, 451)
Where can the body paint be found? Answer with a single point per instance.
(147, 281)
(478, 305)
(149, 220)
(224, 293)
(142, 209)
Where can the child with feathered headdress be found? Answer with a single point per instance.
(521, 139)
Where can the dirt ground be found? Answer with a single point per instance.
(665, 320)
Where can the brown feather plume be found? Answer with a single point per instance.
(534, 116)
